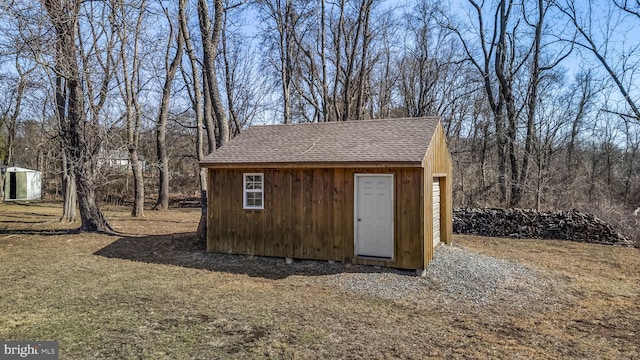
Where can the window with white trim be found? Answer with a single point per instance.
(253, 191)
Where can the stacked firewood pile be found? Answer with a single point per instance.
(521, 223)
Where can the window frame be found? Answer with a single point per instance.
(246, 191)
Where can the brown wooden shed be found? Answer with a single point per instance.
(374, 192)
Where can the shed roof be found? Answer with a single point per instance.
(365, 141)
(18, 169)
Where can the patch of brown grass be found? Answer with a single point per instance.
(54, 286)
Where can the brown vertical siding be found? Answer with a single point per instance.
(308, 213)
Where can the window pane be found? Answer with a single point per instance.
(253, 182)
(254, 199)
(258, 182)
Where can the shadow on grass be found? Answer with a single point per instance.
(22, 222)
(38, 232)
(22, 214)
(183, 249)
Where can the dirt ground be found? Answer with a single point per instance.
(138, 296)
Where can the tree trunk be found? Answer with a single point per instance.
(70, 204)
(92, 218)
(362, 76)
(78, 135)
(129, 89)
(196, 99)
(162, 203)
(210, 40)
(207, 111)
(205, 28)
(584, 82)
(1, 187)
(505, 81)
(69, 208)
(218, 107)
(69, 192)
(337, 43)
(285, 28)
(323, 59)
(532, 104)
(229, 82)
(138, 184)
(201, 232)
(161, 127)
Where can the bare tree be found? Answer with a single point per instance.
(535, 78)
(614, 24)
(509, 46)
(80, 135)
(210, 35)
(163, 115)
(425, 68)
(584, 91)
(597, 35)
(357, 38)
(323, 55)
(337, 39)
(483, 64)
(365, 66)
(11, 113)
(195, 94)
(386, 77)
(129, 81)
(229, 76)
(323, 61)
(283, 17)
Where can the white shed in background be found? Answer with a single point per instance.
(22, 184)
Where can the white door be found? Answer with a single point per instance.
(436, 211)
(374, 215)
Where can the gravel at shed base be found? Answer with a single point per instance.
(454, 274)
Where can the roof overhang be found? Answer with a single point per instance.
(16, 169)
(312, 165)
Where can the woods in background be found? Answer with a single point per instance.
(539, 99)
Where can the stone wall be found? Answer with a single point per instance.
(531, 224)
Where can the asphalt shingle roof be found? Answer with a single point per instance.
(364, 141)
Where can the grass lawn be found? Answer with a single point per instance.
(137, 297)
